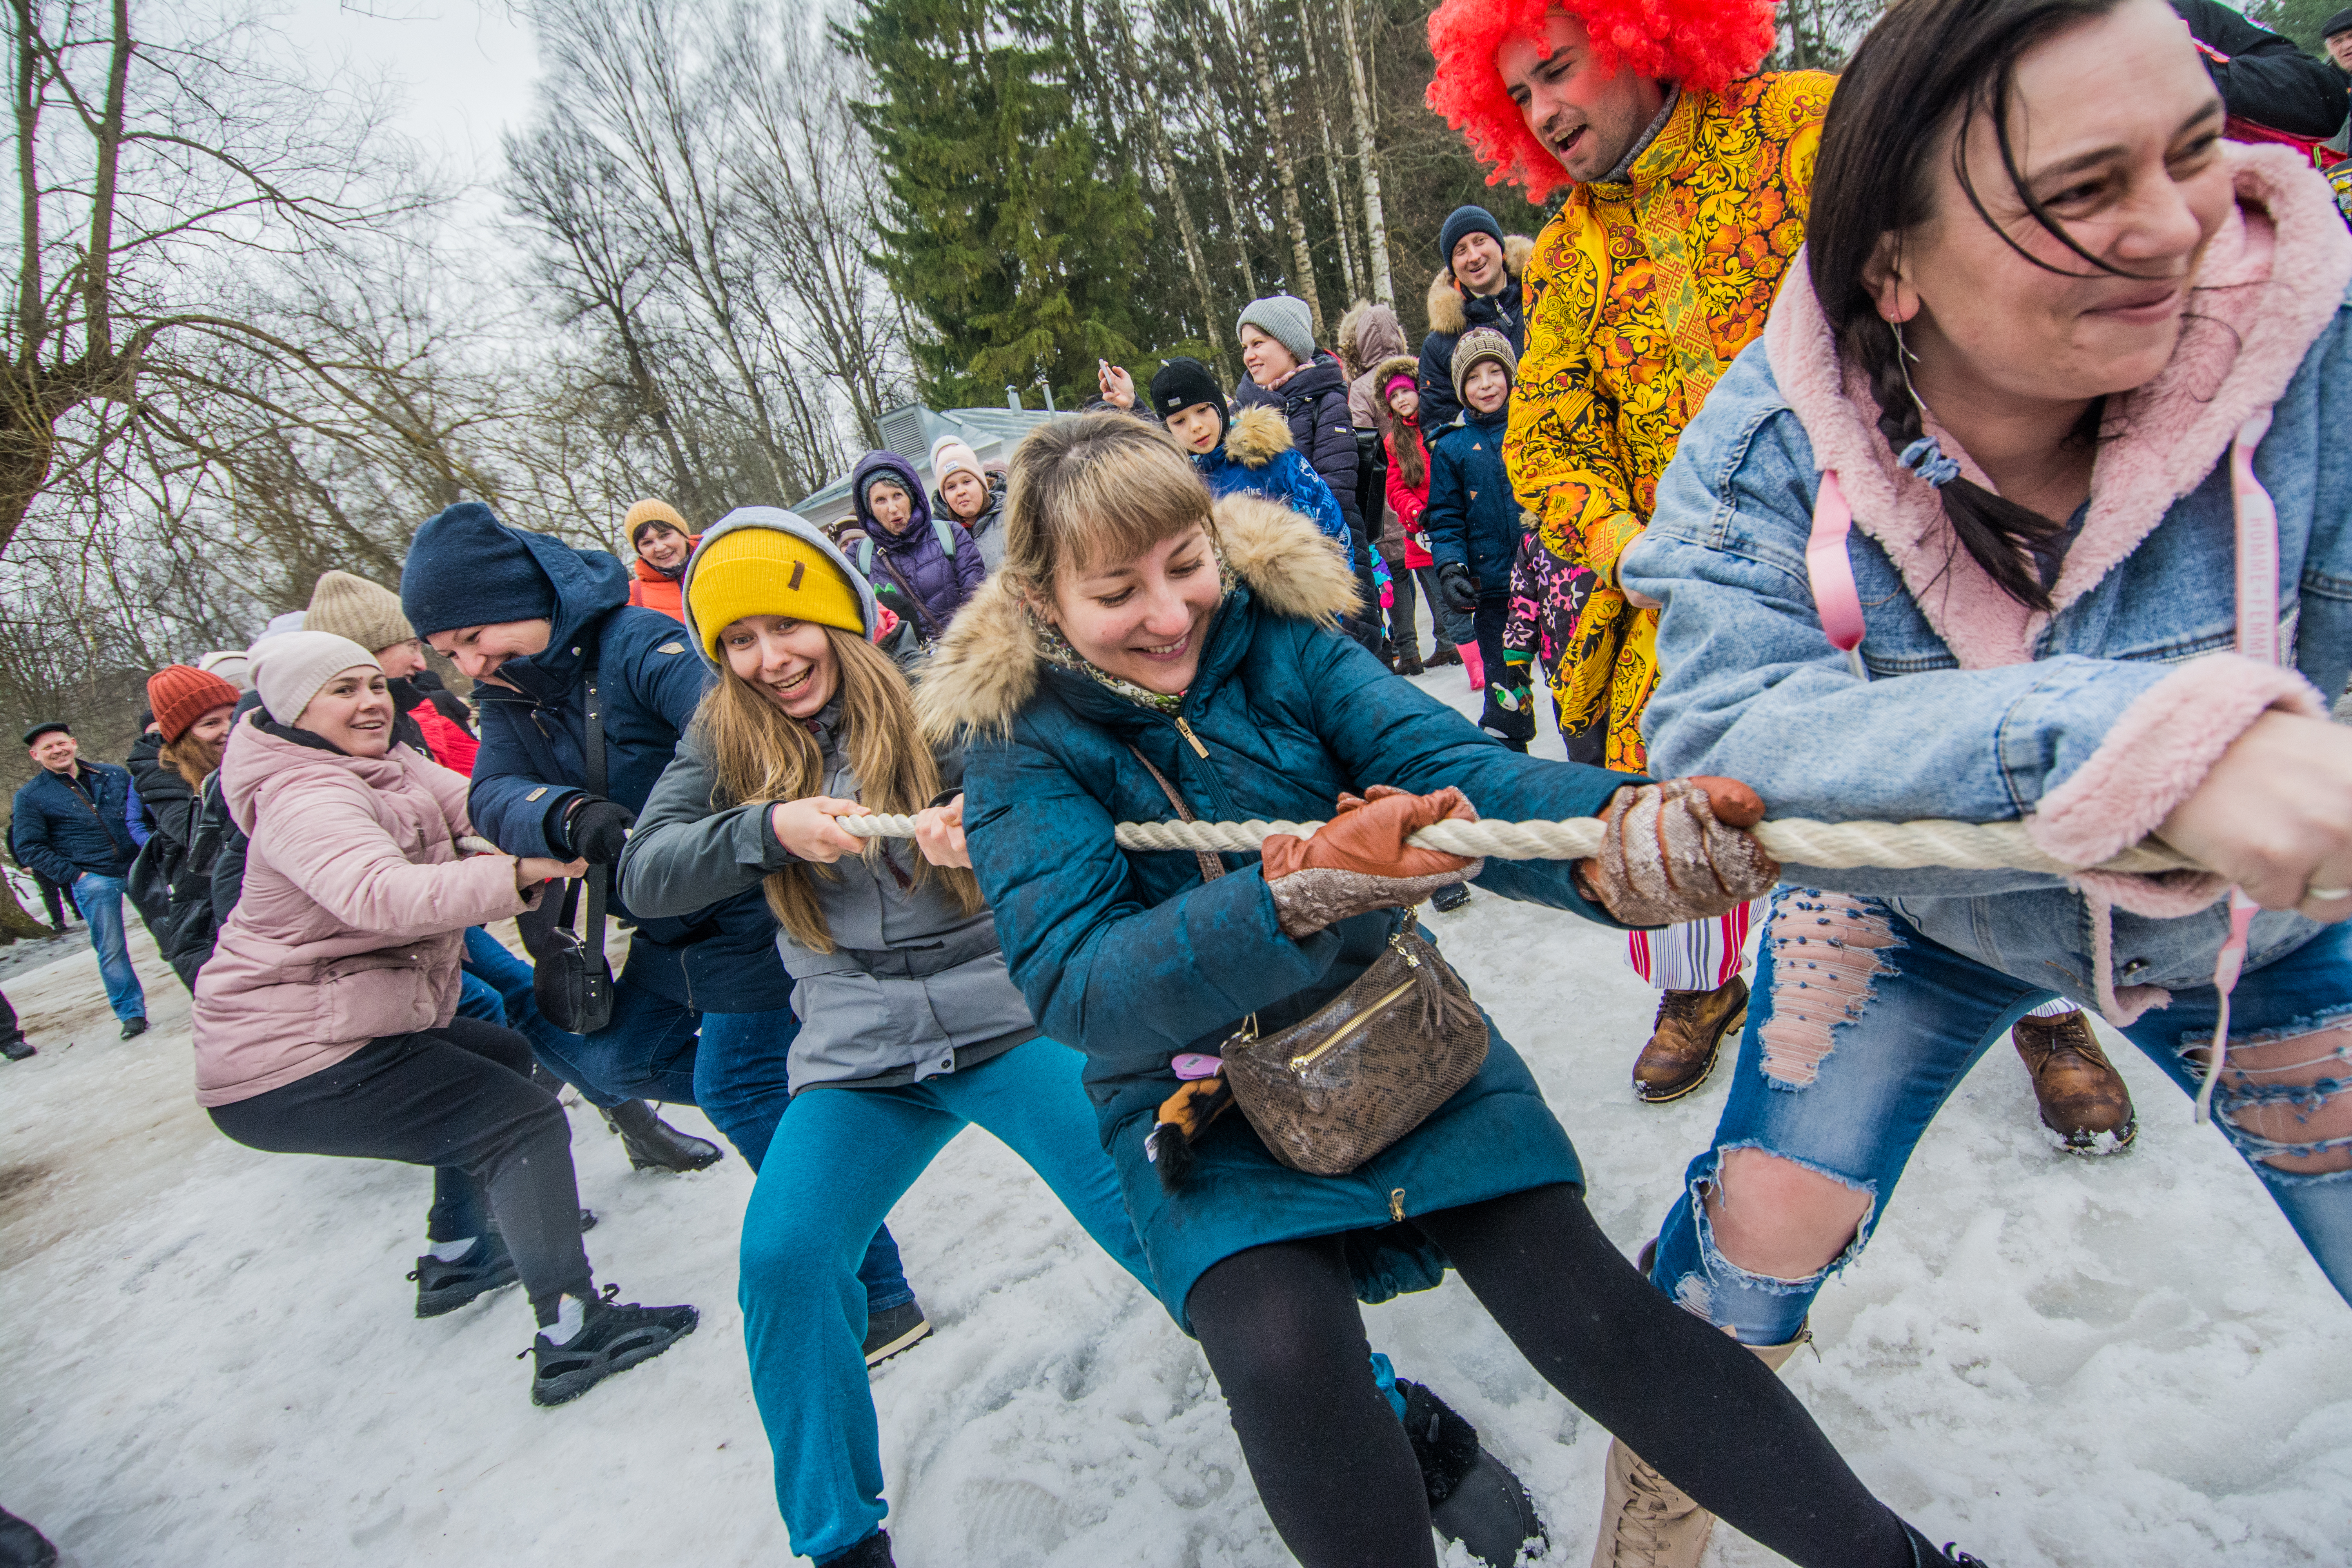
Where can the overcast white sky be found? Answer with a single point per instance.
(465, 68)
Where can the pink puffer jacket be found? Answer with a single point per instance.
(353, 921)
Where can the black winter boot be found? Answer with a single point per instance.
(613, 1337)
(873, 1551)
(22, 1546)
(1924, 1553)
(1473, 1496)
(17, 1049)
(653, 1144)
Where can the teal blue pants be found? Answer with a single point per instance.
(841, 1157)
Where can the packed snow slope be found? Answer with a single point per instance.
(207, 1355)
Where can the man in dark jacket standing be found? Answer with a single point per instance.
(73, 825)
(1478, 285)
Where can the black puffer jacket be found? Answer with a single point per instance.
(2265, 78)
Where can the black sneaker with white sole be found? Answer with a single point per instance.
(895, 1328)
(446, 1286)
(613, 1337)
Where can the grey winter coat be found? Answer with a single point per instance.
(914, 986)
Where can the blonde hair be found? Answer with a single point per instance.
(1099, 487)
(763, 754)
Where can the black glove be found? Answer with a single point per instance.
(598, 830)
(1461, 592)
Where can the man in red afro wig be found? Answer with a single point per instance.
(1702, 45)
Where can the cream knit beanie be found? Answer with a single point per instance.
(288, 669)
(354, 607)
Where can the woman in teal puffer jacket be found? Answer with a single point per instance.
(1135, 637)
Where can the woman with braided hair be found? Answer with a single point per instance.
(2056, 354)
(1141, 648)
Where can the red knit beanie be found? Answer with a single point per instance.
(181, 694)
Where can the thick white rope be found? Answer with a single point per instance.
(1892, 845)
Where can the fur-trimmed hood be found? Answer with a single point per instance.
(1369, 332)
(985, 670)
(2271, 281)
(1258, 436)
(1445, 312)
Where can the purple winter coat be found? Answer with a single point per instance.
(942, 582)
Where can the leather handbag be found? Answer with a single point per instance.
(572, 980)
(1368, 1067)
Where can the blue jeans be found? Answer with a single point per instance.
(1859, 1029)
(839, 1160)
(644, 1052)
(99, 900)
(498, 990)
(739, 1076)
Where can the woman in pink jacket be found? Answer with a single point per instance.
(325, 1023)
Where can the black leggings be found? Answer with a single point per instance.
(458, 1099)
(1283, 1333)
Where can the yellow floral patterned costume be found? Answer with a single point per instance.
(1638, 296)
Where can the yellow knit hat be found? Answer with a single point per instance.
(650, 510)
(766, 572)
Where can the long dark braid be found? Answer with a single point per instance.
(2008, 541)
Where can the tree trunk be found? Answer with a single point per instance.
(1376, 223)
(1331, 163)
(1166, 164)
(1285, 167)
(14, 922)
(1202, 78)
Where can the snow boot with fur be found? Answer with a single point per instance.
(653, 1144)
(613, 1337)
(1474, 1497)
(1647, 1520)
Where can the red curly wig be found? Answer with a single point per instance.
(1702, 44)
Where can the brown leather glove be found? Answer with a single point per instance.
(1678, 851)
(1359, 860)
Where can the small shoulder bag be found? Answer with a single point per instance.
(1365, 1068)
(573, 979)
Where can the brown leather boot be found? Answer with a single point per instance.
(1647, 1520)
(2084, 1099)
(1689, 1031)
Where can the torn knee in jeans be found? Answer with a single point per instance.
(1777, 1220)
(1828, 949)
(2286, 1096)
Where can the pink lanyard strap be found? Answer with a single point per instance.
(1830, 570)
(2258, 637)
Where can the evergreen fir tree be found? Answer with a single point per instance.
(1010, 232)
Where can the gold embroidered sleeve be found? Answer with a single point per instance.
(1563, 451)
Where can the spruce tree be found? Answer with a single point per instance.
(1009, 232)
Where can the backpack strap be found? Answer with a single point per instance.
(945, 531)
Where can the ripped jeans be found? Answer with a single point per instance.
(1859, 1029)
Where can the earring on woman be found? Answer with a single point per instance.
(1924, 457)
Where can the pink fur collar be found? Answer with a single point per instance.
(2271, 281)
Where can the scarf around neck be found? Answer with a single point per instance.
(1058, 651)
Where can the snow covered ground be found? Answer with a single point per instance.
(209, 1354)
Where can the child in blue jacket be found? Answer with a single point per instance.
(1473, 521)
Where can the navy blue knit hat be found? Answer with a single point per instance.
(1464, 220)
(466, 568)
